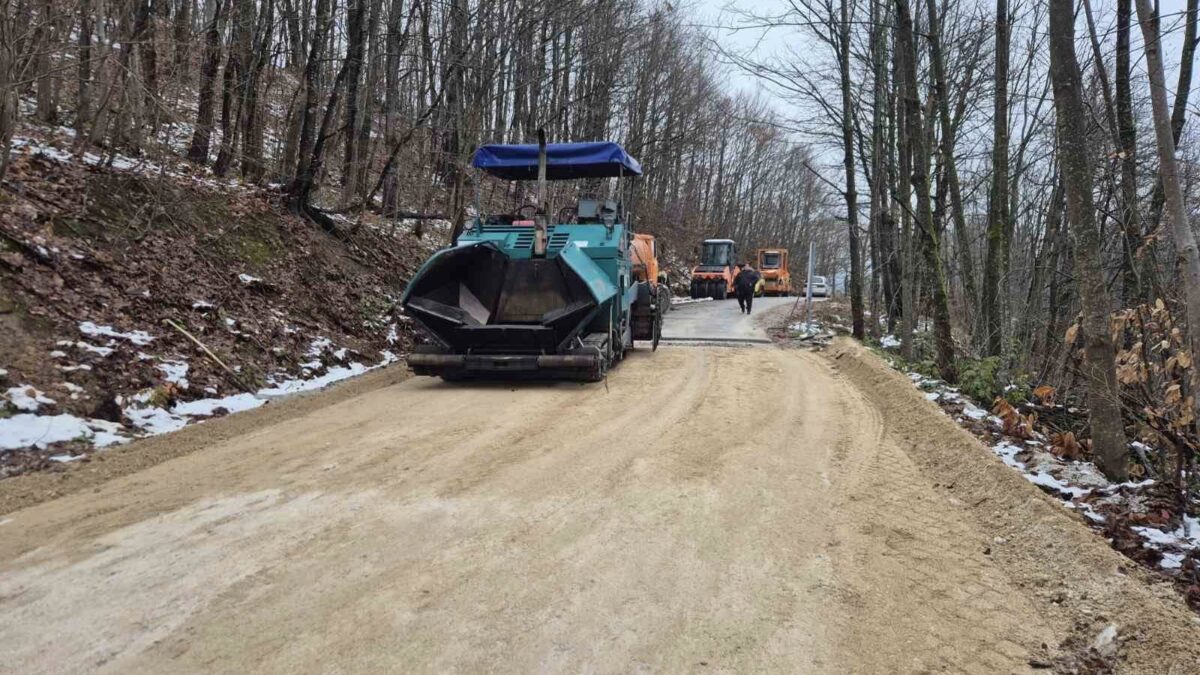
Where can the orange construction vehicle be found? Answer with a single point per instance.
(773, 265)
(645, 259)
(713, 277)
(650, 310)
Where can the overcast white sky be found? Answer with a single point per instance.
(779, 42)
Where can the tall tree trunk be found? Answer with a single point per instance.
(241, 40)
(366, 116)
(1133, 286)
(202, 134)
(1033, 315)
(942, 94)
(1187, 59)
(926, 230)
(1182, 91)
(851, 193)
(46, 81)
(1099, 369)
(879, 204)
(182, 36)
(144, 35)
(9, 95)
(391, 125)
(356, 11)
(1169, 179)
(83, 106)
(992, 324)
(127, 120)
(903, 195)
(252, 114)
(301, 186)
(454, 83)
(1057, 264)
(296, 46)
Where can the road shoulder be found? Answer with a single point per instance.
(1078, 580)
(30, 489)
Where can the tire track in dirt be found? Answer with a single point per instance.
(732, 509)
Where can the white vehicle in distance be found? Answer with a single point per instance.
(820, 288)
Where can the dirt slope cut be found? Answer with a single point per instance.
(94, 263)
(1044, 548)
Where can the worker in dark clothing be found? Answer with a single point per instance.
(744, 285)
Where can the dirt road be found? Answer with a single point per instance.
(720, 321)
(726, 509)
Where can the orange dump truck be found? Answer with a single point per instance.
(773, 265)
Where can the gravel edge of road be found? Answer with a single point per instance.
(19, 492)
(1077, 578)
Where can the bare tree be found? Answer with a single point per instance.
(1134, 286)
(948, 133)
(856, 269)
(926, 233)
(1099, 369)
(998, 214)
(211, 63)
(1169, 179)
(311, 140)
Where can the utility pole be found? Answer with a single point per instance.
(812, 247)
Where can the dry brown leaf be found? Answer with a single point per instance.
(1014, 424)
(1045, 394)
(1066, 446)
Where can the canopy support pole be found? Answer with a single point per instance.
(539, 220)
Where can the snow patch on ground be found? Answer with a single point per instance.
(889, 342)
(120, 162)
(137, 337)
(207, 407)
(88, 347)
(1044, 479)
(1173, 544)
(153, 420)
(175, 372)
(335, 374)
(688, 301)
(27, 430)
(1079, 485)
(810, 330)
(27, 398)
(974, 412)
